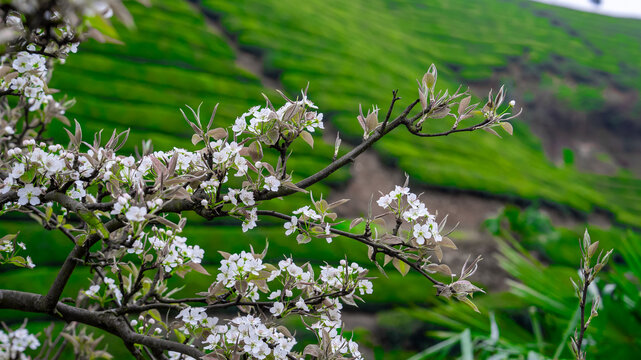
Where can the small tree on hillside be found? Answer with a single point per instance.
(123, 215)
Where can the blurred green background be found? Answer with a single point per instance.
(575, 156)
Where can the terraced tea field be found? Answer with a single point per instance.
(356, 52)
(352, 53)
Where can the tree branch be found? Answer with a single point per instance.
(378, 247)
(29, 302)
(391, 107)
(343, 160)
(79, 251)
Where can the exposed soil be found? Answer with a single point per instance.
(247, 59)
(603, 141)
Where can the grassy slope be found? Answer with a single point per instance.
(356, 52)
(352, 53)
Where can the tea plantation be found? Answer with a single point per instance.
(351, 53)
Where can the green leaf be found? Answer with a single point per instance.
(8, 237)
(467, 349)
(197, 267)
(155, 314)
(28, 175)
(179, 336)
(18, 260)
(469, 303)
(443, 348)
(48, 213)
(507, 127)
(308, 138)
(100, 24)
(93, 222)
(402, 267)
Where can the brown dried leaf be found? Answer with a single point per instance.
(440, 268)
(307, 137)
(401, 266)
(439, 253)
(217, 133)
(448, 243)
(507, 127)
(464, 104)
(198, 268)
(492, 131)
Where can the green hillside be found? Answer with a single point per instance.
(352, 53)
(356, 52)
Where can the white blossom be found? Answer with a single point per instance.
(192, 316)
(247, 197)
(29, 194)
(300, 304)
(93, 290)
(136, 214)
(291, 225)
(250, 221)
(277, 309)
(272, 183)
(422, 233)
(13, 344)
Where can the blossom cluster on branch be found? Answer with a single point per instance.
(124, 215)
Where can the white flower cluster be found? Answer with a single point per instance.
(29, 78)
(288, 269)
(93, 291)
(250, 220)
(35, 164)
(170, 249)
(306, 213)
(238, 267)
(227, 155)
(132, 213)
(338, 343)
(272, 183)
(246, 197)
(186, 161)
(25, 73)
(111, 290)
(44, 164)
(196, 319)
(178, 356)
(248, 334)
(261, 120)
(8, 246)
(405, 204)
(252, 336)
(334, 278)
(193, 316)
(13, 344)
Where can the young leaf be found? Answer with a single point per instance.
(401, 266)
(308, 138)
(507, 127)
